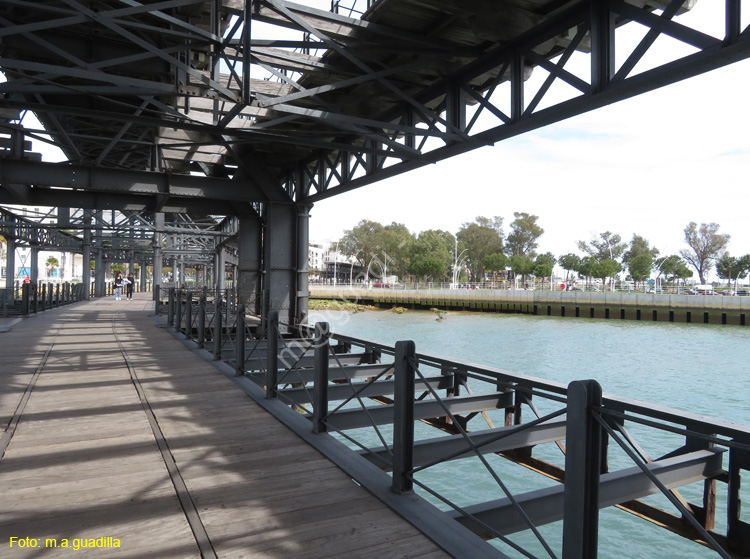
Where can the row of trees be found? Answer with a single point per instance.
(481, 246)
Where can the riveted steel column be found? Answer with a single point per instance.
(280, 261)
(86, 266)
(320, 386)
(583, 462)
(249, 268)
(303, 263)
(403, 417)
(10, 269)
(156, 244)
(34, 264)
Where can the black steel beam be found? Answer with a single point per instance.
(546, 505)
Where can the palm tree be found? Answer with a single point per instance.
(51, 263)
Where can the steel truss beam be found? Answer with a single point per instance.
(466, 103)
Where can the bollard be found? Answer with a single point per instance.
(320, 371)
(272, 355)
(239, 359)
(583, 460)
(44, 297)
(403, 417)
(35, 294)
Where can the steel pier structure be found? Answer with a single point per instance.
(198, 131)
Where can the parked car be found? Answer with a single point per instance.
(381, 284)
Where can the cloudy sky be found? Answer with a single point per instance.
(647, 166)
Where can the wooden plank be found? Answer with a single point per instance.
(84, 463)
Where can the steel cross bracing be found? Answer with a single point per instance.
(120, 235)
(215, 107)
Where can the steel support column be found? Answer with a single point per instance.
(86, 271)
(156, 244)
(10, 268)
(219, 266)
(34, 264)
(303, 269)
(250, 263)
(280, 261)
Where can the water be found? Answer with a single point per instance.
(697, 368)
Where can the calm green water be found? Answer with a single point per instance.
(697, 368)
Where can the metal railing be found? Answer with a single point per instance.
(418, 415)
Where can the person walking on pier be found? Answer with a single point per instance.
(129, 286)
(118, 286)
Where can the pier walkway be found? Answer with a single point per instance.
(112, 429)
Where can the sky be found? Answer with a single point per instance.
(645, 166)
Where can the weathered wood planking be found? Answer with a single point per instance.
(84, 462)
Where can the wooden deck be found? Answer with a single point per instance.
(120, 431)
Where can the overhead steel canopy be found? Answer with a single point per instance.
(295, 103)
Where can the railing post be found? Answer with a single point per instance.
(189, 315)
(202, 320)
(44, 297)
(57, 296)
(170, 307)
(217, 330)
(25, 289)
(178, 310)
(403, 417)
(157, 304)
(35, 294)
(320, 386)
(272, 355)
(583, 460)
(239, 360)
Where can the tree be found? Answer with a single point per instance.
(431, 255)
(706, 244)
(396, 248)
(570, 262)
(495, 262)
(52, 263)
(521, 265)
(607, 245)
(675, 267)
(640, 267)
(480, 239)
(607, 268)
(544, 264)
(363, 242)
(730, 268)
(523, 235)
(638, 247)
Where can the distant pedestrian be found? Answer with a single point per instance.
(129, 286)
(119, 281)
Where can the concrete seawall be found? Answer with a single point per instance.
(702, 309)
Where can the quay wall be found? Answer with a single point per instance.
(701, 309)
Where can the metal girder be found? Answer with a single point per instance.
(501, 439)
(546, 505)
(423, 409)
(328, 174)
(369, 390)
